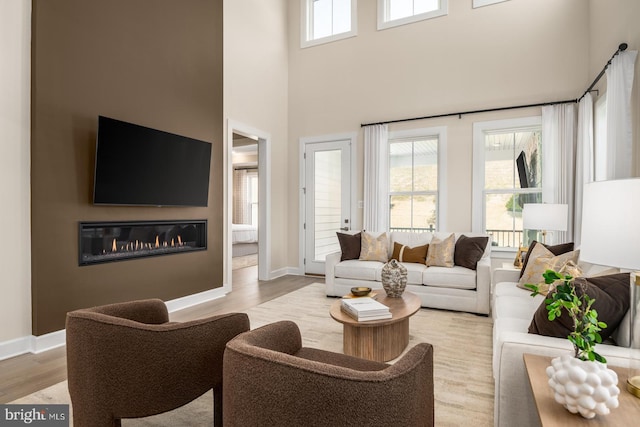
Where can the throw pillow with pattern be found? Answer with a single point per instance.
(440, 253)
(542, 259)
(374, 248)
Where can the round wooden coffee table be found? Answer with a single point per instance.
(379, 340)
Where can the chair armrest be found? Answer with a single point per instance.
(150, 311)
(283, 336)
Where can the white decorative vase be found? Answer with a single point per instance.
(394, 278)
(583, 387)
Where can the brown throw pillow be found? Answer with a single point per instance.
(349, 245)
(559, 249)
(611, 294)
(404, 253)
(469, 251)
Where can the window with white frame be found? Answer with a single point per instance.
(507, 174)
(414, 177)
(324, 21)
(392, 13)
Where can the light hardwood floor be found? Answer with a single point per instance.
(25, 374)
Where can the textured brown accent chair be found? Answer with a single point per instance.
(271, 380)
(127, 360)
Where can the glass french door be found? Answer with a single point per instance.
(327, 200)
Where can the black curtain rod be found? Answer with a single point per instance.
(621, 47)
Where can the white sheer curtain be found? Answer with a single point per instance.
(619, 141)
(241, 213)
(558, 171)
(376, 178)
(584, 160)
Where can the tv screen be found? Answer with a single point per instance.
(523, 172)
(136, 165)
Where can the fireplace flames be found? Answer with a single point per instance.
(142, 246)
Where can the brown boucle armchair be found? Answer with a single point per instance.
(127, 360)
(271, 380)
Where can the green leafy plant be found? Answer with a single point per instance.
(586, 326)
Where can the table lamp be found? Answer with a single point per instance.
(545, 217)
(611, 237)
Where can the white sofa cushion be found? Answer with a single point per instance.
(414, 272)
(449, 277)
(356, 269)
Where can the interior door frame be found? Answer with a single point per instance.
(356, 216)
(264, 200)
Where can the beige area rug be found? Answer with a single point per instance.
(239, 262)
(462, 359)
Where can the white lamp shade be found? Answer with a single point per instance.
(545, 216)
(611, 223)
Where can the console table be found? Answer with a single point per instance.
(554, 414)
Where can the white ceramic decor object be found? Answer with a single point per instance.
(583, 387)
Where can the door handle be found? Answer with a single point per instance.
(344, 228)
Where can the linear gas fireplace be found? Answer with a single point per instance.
(119, 241)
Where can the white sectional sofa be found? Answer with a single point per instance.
(512, 311)
(456, 288)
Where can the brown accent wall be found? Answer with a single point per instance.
(157, 63)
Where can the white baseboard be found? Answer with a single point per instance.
(15, 347)
(195, 299)
(48, 341)
(38, 344)
(286, 271)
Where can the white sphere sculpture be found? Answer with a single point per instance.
(583, 387)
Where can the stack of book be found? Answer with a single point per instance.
(363, 309)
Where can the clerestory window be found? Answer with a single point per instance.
(324, 21)
(392, 13)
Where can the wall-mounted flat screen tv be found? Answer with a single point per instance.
(137, 165)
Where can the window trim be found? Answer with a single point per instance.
(305, 28)
(441, 197)
(478, 214)
(383, 12)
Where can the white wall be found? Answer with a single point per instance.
(511, 53)
(613, 22)
(15, 238)
(256, 85)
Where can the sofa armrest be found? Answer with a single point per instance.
(330, 263)
(506, 275)
(483, 285)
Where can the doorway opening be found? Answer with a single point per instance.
(245, 202)
(247, 167)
